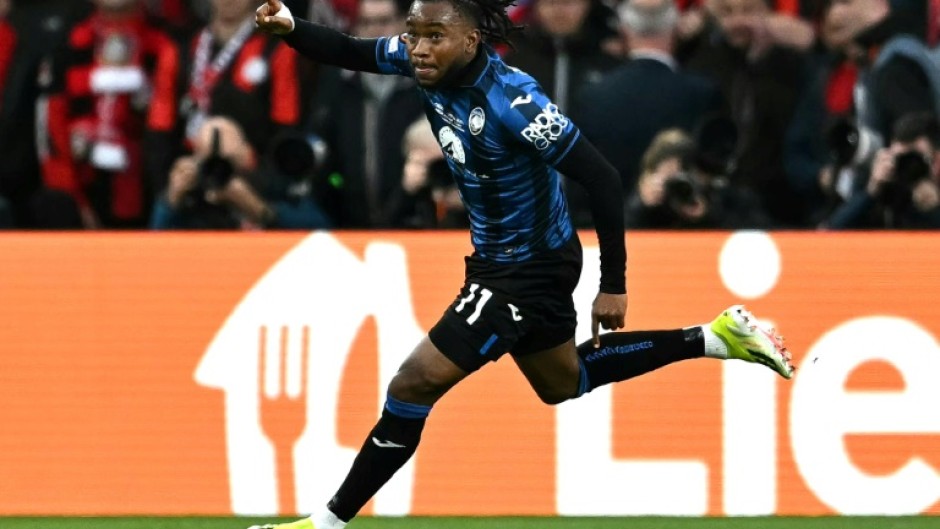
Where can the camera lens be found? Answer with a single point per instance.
(910, 167)
(294, 156)
(680, 190)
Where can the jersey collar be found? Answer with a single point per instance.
(473, 72)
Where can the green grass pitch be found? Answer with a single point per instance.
(494, 523)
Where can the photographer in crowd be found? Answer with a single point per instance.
(210, 189)
(761, 68)
(896, 76)
(681, 185)
(903, 189)
(623, 112)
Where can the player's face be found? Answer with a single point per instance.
(736, 19)
(115, 5)
(232, 10)
(377, 18)
(562, 18)
(847, 18)
(440, 41)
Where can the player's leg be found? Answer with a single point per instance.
(424, 377)
(568, 371)
(478, 327)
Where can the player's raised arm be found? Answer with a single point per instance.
(318, 43)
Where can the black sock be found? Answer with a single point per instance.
(390, 445)
(624, 355)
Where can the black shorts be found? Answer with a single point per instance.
(520, 308)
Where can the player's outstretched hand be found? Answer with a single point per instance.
(274, 17)
(609, 310)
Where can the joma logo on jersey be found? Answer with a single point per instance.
(547, 127)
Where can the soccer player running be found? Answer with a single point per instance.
(505, 142)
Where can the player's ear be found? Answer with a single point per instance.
(472, 41)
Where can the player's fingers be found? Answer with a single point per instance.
(595, 331)
(277, 23)
(274, 17)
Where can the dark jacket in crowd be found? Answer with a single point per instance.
(761, 96)
(33, 30)
(897, 85)
(562, 66)
(636, 101)
(358, 128)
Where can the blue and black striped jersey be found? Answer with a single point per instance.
(501, 136)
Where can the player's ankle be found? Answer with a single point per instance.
(327, 520)
(714, 346)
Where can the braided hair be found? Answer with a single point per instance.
(491, 18)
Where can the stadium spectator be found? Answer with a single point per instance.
(179, 18)
(337, 14)
(675, 192)
(761, 78)
(503, 139)
(112, 80)
(561, 47)
(362, 118)
(897, 76)
(234, 71)
(30, 30)
(6, 215)
(814, 160)
(622, 113)
(210, 189)
(903, 189)
(882, 72)
(433, 200)
(778, 25)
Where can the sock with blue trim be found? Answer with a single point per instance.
(624, 355)
(390, 445)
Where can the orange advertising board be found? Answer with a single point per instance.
(224, 373)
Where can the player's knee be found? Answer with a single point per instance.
(418, 386)
(553, 395)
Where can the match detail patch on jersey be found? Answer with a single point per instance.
(451, 145)
(477, 120)
(547, 127)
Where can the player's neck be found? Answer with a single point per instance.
(224, 29)
(469, 74)
(119, 14)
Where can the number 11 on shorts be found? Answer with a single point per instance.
(485, 295)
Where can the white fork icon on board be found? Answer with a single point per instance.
(282, 397)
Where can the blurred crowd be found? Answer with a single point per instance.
(718, 114)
